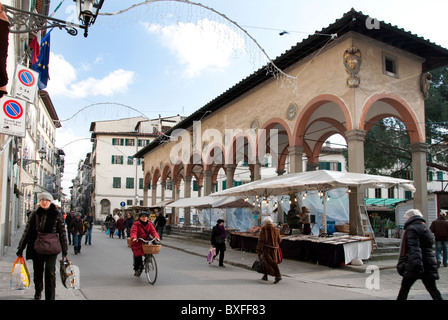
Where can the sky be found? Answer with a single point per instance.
(170, 57)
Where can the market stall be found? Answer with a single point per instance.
(321, 180)
(329, 251)
(208, 203)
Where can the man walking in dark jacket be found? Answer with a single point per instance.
(440, 229)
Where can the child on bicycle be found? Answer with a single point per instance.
(142, 228)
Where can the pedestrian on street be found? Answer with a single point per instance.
(128, 222)
(160, 223)
(77, 230)
(293, 218)
(88, 224)
(46, 219)
(305, 218)
(142, 228)
(417, 259)
(106, 221)
(120, 227)
(218, 240)
(267, 249)
(440, 229)
(112, 227)
(68, 220)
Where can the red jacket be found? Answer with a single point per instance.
(138, 230)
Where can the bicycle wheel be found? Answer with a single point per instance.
(151, 268)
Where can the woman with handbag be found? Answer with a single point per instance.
(44, 238)
(218, 240)
(268, 250)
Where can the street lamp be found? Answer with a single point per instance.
(42, 153)
(88, 11)
(22, 21)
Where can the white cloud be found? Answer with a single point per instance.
(205, 45)
(116, 81)
(64, 80)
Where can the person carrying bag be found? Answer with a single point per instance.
(44, 238)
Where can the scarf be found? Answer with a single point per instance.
(144, 223)
(223, 231)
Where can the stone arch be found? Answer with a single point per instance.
(405, 113)
(232, 154)
(310, 108)
(283, 138)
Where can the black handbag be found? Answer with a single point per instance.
(47, 243)
(258, 266)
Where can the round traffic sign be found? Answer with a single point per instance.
(26, 78)
(122, 204)
(13, 109)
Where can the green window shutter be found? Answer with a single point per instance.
(224, 184)
(116, 184)
(195, 185)
(129, 183)
(140, 183)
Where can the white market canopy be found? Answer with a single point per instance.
(161, 204)
(313, 180)
(210, 202)
(321, 180)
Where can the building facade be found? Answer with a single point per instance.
(341, 84)
(116, 177)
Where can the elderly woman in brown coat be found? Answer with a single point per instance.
(267, 248)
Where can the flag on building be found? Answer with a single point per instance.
(35, 46)
(43, 61)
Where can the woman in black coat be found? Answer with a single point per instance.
(46, 219)
(417, 259)
(218, 240)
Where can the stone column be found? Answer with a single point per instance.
(230, 169)
(174, 211)
(153, 194)
(295, 159)
(355, 142)
(419, 150)
(207, 182)
(187, 194)
(145, 196)
(257, 171)
(163, 185)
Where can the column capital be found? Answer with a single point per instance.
(419, 147)
(296, 149)
(355, 134)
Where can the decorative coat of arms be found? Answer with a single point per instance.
(352, 63)
(425, 84)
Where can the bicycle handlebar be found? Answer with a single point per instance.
(153, 240)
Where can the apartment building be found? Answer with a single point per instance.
(116, 176)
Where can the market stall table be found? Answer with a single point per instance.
(329, 251)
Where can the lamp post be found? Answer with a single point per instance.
(23, 21)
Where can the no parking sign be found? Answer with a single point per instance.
(12, 116)
(25, 83)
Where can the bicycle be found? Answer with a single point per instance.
(150, 248)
